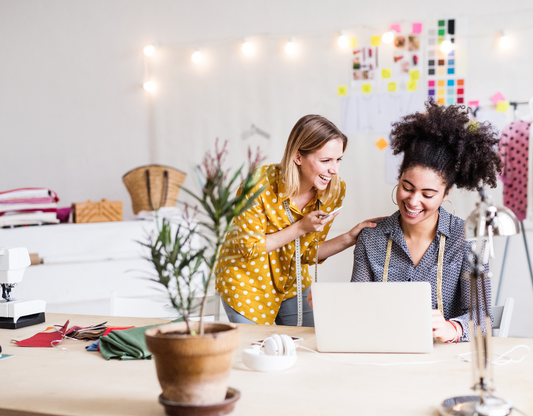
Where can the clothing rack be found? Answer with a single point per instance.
(514, 104)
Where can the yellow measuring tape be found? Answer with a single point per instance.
(439, 268)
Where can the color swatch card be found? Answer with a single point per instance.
(443, 84)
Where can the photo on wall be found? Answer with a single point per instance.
(364, 64)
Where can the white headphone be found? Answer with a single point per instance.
(279, 354)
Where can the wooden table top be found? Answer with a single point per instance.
(51, 381)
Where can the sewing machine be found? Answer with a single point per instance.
(17, 313)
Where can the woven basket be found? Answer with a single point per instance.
(153, 186)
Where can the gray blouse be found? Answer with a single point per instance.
(369, 261)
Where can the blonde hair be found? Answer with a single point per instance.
(308, 135)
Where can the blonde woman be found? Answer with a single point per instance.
(264, 277)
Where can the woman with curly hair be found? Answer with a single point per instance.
(422, 242)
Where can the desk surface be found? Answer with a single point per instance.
(50, 381)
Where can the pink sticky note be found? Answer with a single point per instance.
(431, 83)
(497, 97)
(396, 27)
(417, 27)
(473, 103)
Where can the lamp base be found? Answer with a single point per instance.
(471, 406)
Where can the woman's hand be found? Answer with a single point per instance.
(310, 298)
(315, 221)
(443, 330)
(355, 231)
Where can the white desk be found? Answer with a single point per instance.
(40, 381)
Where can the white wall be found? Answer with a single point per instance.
(74, 118)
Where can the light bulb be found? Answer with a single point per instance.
(247, 47)
(150, 86)
(446, 46)
(290, 47)
(387, 37)
(197, 57)
(343, 41)
(149, 50)
(505, 41)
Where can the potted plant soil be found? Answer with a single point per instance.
(193, 358)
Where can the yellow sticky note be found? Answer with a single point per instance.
(353, 42)
(381, 144)
(376, 40)
(414, 74)
(386, 73)
(502, 106)
(342, 90)
(366, 88)
(440, 101)
(440, 92)
(392, 86)
(441, 71)
(411, 86)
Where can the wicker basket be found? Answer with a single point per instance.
(153, 186)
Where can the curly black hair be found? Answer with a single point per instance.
(442, 139)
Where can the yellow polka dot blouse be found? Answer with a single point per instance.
(252, 281)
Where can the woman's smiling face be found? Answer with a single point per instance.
(420, 193)
(318, 168)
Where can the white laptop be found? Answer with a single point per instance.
(391, 317)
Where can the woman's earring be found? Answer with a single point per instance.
(447, 200)
(392, 195)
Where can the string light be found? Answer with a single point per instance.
(149, 86)
(197, 56)
(387, 37)
(343, 40)
(504, 41)
(446, 46)
(247, 47)
(149, 50)
(290, 47)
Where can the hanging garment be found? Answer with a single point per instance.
(514, 152)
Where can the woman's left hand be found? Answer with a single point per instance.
(371, 223)
(442, 330)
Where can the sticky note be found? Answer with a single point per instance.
(353, 42)
(441, 71)
(440, 101)
(495, 98)
(375, 40)
(385, 73)
(392, 86)
(473, 103)
(440, 91)
(414, 74)
(442, 22)
(431, 83)
(396, 27)
(366, 88)
(440, 83)
(460, 82)
(342, 90)
(381, 144)
(431, 92)
(460, 100)
(502, 106)
(411, 85)
(417, 27)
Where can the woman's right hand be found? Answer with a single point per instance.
(315, 221)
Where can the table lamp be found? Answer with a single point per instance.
(484, 223)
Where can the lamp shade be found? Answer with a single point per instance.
(501, 219)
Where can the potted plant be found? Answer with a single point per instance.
(192, 358)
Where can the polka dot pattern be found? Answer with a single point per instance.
(369, 261)
(252, 281)
(514, 152)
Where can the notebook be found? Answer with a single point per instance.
(374, 317)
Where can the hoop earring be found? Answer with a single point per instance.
(453, 207)
(392, 195)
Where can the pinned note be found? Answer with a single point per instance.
(375, 40)
(414, 74)
(497, 97)
(417, 27)
(342, 90)
(353, 42)
(381, 144)
(411, 85)
(392, 86)
(502, 106)
(473, 103)
(366, 88)
(386, 73)
(396, 27)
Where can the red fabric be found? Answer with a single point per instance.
(44, 339)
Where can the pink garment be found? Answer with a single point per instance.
(514, 151)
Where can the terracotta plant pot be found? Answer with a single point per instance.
(193, 369)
